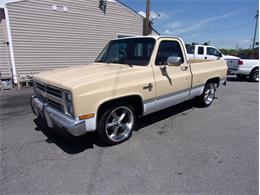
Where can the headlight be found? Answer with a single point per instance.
(68, 104)
(69, 97)
(70, 109)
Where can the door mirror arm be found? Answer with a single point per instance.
(165, 73)
(163, 70)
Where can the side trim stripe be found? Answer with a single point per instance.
(172, 94)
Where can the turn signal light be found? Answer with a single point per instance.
(240, 62)
(86, 116)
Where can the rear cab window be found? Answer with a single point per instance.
(190, 49)
(200, 50)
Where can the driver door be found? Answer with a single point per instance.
(173, 82)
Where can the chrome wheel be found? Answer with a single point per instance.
(119, 124)
(209, 94)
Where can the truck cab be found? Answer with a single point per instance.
(203, 52)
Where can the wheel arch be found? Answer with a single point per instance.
(134, 100)
(215, 80)
(255, 67)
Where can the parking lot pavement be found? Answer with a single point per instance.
(182, 149)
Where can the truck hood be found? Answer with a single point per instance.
(72, 77)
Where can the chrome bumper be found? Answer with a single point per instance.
(55, 118)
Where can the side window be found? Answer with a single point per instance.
(167, 49)
(200, 50)
(212, 51)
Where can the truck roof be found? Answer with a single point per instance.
(150, 36)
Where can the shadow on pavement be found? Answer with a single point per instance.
(235, 79)
(75, 145)
(164, 114)
(68, 143)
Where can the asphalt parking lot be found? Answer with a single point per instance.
(183, 149)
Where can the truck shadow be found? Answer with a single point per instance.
(164, 114)
(68, 143)
(75, 145)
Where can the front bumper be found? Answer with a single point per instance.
(55, 118)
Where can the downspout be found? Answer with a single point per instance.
(15, 80)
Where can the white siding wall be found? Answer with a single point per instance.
(4, 56)
(45, 39)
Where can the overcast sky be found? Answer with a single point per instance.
(225, 23)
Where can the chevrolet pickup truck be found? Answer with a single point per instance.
(131, 77)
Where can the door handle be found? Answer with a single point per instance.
(184, 68)
(205, 58)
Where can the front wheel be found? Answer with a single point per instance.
(254, 76)
(116, 124)
(207, 97)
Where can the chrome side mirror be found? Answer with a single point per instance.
(174, 61)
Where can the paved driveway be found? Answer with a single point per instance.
(182, 149)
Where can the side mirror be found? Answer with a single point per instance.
(174, 61)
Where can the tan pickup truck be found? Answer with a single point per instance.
(131, 77)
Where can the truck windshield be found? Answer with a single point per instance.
(133, 51)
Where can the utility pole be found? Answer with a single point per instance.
(256, 21)
(147, 24)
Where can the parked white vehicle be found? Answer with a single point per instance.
(240, 67)
(247, 68)
(203, 52)
(211, 53)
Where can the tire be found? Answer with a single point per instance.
(254, 75)
(207, 97)
(116, 124)
(241, 76)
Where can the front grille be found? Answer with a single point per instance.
(50, 95)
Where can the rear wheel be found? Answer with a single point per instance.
(116, 124)
(207, 96)
(254, 76)
(241, 76)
